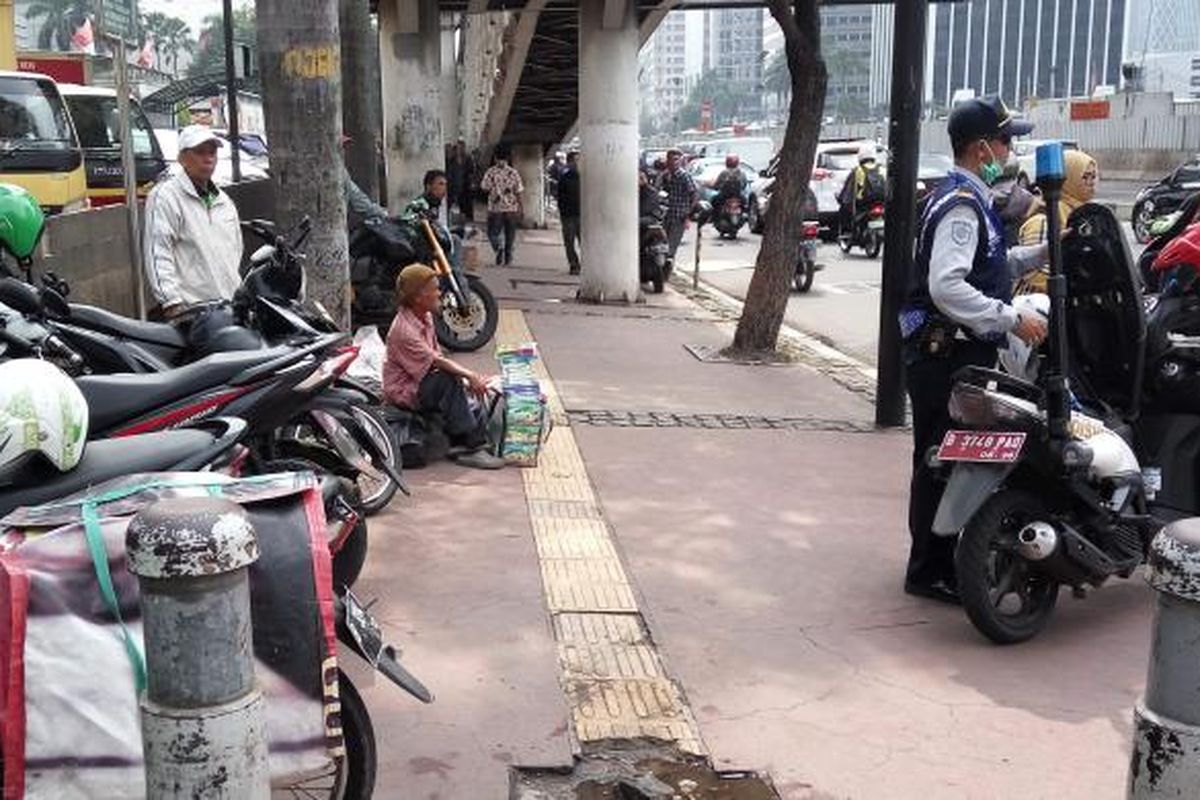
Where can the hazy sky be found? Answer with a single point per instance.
(191, 11)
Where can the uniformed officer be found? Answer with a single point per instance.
(957, 311)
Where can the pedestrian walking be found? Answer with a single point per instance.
(460, 171)
(503, 185)
(569, 209)
(682, 197)
(957, 311)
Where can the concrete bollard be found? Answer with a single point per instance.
(1166, 739)
(203, 716)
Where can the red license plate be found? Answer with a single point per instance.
(986, 446)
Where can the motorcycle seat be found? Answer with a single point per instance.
(39, 482)
(113, 399)
(153, 332)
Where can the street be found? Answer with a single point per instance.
(841, 309)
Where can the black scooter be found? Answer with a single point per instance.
(1043, 494)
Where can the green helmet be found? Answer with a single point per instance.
(21, 221)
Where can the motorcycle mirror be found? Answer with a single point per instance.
(20, 296)
(264, 253)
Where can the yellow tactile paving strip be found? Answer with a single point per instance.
(613, 678)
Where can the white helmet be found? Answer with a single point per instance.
(867, 153)
(41, 411)
(1017, 358)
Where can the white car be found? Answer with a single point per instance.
(836, 159)
(1026, 153)
(168, 140)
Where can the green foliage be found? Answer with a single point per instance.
(172, 38)
(210, 51)
(725, 98)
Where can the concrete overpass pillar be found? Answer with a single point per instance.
(608, 133)
(529, 161)
(451, 129)
(410, 54)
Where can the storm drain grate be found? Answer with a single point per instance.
(663, 419)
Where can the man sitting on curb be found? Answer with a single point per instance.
(418, 377)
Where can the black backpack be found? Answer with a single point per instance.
(874, 186)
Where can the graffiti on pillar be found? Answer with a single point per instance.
(320, 61)
(417, 130)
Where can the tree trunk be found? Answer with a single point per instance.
(770, 286)
(302, 102)
(360, 118)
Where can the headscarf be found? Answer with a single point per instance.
(1074, 194)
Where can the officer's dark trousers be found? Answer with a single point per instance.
(930, 379)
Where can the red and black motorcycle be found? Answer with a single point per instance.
(866, 231)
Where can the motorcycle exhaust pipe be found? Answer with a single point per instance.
(1037, 541)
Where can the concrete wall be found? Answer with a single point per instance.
(90, 249)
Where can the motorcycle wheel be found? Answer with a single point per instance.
(804, 276)
(472, 330)
(1141, 223)
(350, 558)
(874, 245)
(377, 493)
(1005, 598)
(352, 776)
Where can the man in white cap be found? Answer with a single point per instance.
(193, 239)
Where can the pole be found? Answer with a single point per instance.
(133, 227)
(1166, 737)
(1051, 175)
(696, 266)
(203, 715)
(904, 139)
(231, 102)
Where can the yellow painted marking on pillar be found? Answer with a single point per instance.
(613, 678)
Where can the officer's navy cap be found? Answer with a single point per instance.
(984, 118)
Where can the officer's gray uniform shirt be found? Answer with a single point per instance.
(950, 261)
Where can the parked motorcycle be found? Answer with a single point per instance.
(866, 231)
(265, 309)
(1043, 496)
(806, 265)
(729, 217)
(654, 254)
(380, 248)
(1163, 232)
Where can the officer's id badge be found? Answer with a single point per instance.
(961, 231)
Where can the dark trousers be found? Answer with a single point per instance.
(570, 234)
(466, 204)
(442, 392)
(930, 379)
(502, 233)
(674, 230)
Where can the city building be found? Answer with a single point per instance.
(1162, 45)
(847, 45)
(1026, 48)
(734, 51)
(662, 70)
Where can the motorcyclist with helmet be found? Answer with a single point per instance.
(864, 187)
(730, 183)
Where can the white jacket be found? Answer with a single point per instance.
(191, 250)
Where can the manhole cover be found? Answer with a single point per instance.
(633, 772)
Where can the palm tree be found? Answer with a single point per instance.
(61, 18)
(776, 79)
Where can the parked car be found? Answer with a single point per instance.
(1026, 152)
(168, 140)
(705, 171)
(836, 159)
(94, 112)
(1165, 197)
(932, 169)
